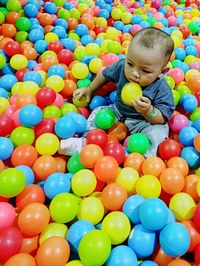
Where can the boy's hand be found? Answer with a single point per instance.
(85, 91)
(142, 105)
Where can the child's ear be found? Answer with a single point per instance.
(164, 70)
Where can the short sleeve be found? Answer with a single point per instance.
(111, 72)
(164, 100)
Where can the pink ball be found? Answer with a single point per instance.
(195, 65)
(153, 10)
(135, 28)
(177, 122)
(109, 59)
(59, 101)
(177, 74)
(155, 3)
(172, 21)
(7, 215)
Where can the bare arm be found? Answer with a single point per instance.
(150, 113)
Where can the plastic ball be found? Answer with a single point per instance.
(80, 70)
(12, 181)
(177, 74)
(187, 135)
(177, 122)
(47, 144)
(22, 135)
(77, 231)
(106, 168)
(28, 172)
(74, 163)
(191, 156)
(116, 150)
(131, 92)
(105, 118)
(6, 148)
(22, 259)
(127, 178)
(91, 209)
(169, 148)
(117, 226)
(18, 61)
(174, 239)
(55, 82)
(90, 154)
(65, 127)
(153, 214)
(122, 255)
(63, 208)
(153, 166)
(148, 186)
(138, 142)
(94, 248)
(7, 213)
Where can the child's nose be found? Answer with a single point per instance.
(135, 73)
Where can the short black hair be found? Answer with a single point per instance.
(155, 38)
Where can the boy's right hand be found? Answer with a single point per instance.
(85, 91)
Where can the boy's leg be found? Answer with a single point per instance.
(156, 134)
(72, 145)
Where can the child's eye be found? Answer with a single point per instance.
(129, 63)
(146, 71)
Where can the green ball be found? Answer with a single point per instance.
(68, 108)
(59, 2)
(21, 36)
(62, 13)
(193, 26)
(22, 135)
(176, 63)
(83, 83)
(13, 5)
(114, 47)
(74, 164)
(176, 96)
(23, 24)
(51, 111)
(2, 61)
(139, 143)
(105, 118)
(2, 18)
(12, 182)
(195, 114)
(63, 208)
(4, 11)
(94, 248)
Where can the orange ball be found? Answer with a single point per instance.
(134, 160)
(194, 83)
(2, 166)
(24, 154)
(8, 30)
(26, 44)
(119, 130)
(194, 234)
(191, 186)
(30, 53)
(12, 16)
(180, 164)
(113, 196)
(106, 168)
(161, 258)
(45, 19)
(172, 181)
(72, 23)
(53, 251)
(49, 61)
(61, 164)
(179, 262)
(44, 166)
(88, 20)
(153, 166)
(90, 154)
(29, 244)
(4, 41)
(33, 219)
(197, 142)
(21, 259)
(25, 99)
(69, 87)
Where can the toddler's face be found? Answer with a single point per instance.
(143, 65)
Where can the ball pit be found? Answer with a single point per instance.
(107, 205)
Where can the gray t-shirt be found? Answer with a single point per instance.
(158, 92)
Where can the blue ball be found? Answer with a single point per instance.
(80, 122)
(55, 184)
(62, 22)
(131, 208)
(148, 263)
(40, 46)
(118, 25)
(37, 27)
(191, 156)
(171, 217)
(68, 43)
(81, 29)
(50, 8)
(196, 124)
(86, 39)
(33, 76)
(136, 19)
(30, 10)
(112, 96)
(7, 69)
(28, 172)
(127, 28)
(7, 81)
(174, 239)
(60, 32)
(76, 232)
(187, 135)
(153, 214)
(97, 101)
(6, 148)
(35, 35)
(3, 93)
(65, 127)
(30, 115)
(104, 13)
(31, 64)
(57, 70)
(188, 102)
(142, 241)
(180, 53)
(191, 50)
(122, 255)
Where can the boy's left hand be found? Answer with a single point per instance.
(142, 105)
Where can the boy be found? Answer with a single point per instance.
(146, 62)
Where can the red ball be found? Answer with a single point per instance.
(65, 56)
(97, 136)
(197, 95)
(98, 29)
(10, 242)
(185, 31)
(116, 150)
(197, 255)
(6, 125)
(20, 74)
(45, 126)
(12, 47)
(169, 148)
(45, 96)
(196, 216)
(55, 46)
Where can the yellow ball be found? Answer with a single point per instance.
(148, 186)
(43, 75)
(183, 206)
(16, 88)
(50, 36)
(74, 263)
(82, 102)
(55, 82)
(79, 53)
(116, 13)
(4, 103)
(112, 34)
(104, 45)
(126, 17)
(80, 70)
(53, 229)
(128, 178)
(190, 73)
(95, 65)
(29, 87)
(131, 92)
(92, 49)
(101, 21)
(18, 61)
(189, 59)
(47, 144)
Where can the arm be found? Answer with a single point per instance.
(149, 112)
